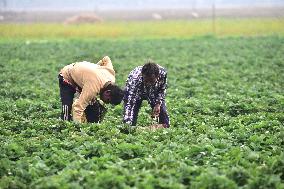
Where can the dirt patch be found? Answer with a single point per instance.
(82, 19)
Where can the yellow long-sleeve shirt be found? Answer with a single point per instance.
(91, 78)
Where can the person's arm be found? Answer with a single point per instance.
(161, 93)
(88, 93)
(131, 94)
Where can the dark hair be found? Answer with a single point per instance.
(116, 94)
(150, 68)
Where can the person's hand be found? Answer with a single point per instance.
(156, 110)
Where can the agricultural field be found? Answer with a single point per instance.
(221, 27)
(225, 98)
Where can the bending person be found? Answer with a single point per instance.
(89, 80)
(148, 82)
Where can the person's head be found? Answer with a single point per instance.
(150, 72)
(112, 94)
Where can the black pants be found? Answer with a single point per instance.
(93, 111)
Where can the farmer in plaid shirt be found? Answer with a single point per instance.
(148, 82)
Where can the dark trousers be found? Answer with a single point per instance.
(163, 116)
(67, 93)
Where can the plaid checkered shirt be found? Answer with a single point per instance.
(136, 90)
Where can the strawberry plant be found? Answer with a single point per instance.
(225, 100)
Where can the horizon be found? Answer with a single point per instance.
(72, 5)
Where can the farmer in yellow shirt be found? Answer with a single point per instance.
(90, 80)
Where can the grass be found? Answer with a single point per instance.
(150, 29)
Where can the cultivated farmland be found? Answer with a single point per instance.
(225, 99)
